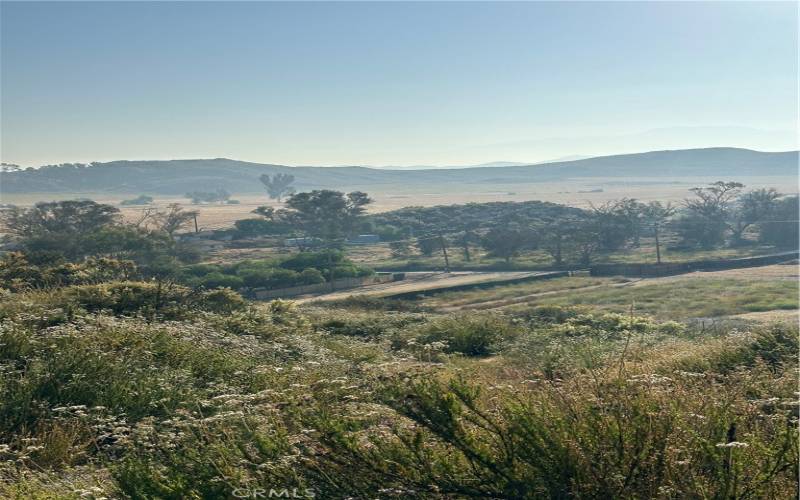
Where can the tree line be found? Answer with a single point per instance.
(720, 214)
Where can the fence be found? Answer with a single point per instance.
(672, 268)
(340, 284)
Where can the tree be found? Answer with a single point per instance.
(466, 239)
(265, 211)
(656, 215)
(714, 200)
(506, 243)
(219, 196)
(429, 245)
(58, 217)
(706, 216)
(780, 227)
(258, 227)
(753, 207)
(278, 185)
(586, 242)
(174, 218)
(328, 215)
(145, 217)
(614, 222)
(400, 249)
(9, 167)
(553, 241)
(139, 200)
(632, 212)
(696, 230)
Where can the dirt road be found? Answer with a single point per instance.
(422, 281)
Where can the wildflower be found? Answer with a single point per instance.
(732, 444)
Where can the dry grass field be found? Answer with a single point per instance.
(578, 193)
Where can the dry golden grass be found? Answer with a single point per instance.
(395, 197)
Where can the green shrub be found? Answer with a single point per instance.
(202, 269)
(221, 301)
(130, 298)
(311, 276)
(247, 453)
(550, 314)
(122, 365)
(369, 303)
(775, 346)
(17, 273)
(349, 270)
(365, 325)
(257, 227)
(318, 260)
(219, 280)
(139, 200)
(606, 325)
(468, 334)
(617, 435)
(124, 298)
(269, 278)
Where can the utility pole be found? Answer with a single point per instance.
(331, 267)
(658, 246)
(444, 252)
(195, 224)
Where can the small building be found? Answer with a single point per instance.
(302, 242)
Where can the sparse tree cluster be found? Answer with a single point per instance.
(73, 231)
(200, 197)
(278, 185)
(721, 214)
(139, 200)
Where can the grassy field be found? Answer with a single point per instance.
(697, 295)
(686, 299)
(508, 293)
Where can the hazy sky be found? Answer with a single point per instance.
(392, 83)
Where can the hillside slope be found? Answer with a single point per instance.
(180, 176)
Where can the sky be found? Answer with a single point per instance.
(392, 83)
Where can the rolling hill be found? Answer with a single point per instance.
(176, 177)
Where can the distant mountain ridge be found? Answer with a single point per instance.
(175, 177)
(490, 164)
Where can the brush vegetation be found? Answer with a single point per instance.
(110, 390)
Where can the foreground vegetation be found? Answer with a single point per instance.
(207, 396)
(128, 372)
